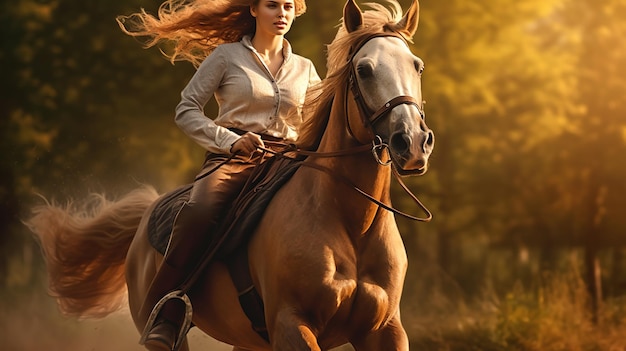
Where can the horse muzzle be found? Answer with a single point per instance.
(410, 151)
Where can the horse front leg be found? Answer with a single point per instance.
(291, 333)
(391, 336)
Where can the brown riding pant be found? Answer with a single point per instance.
(195, 225)
(210, 199)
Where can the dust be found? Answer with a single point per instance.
(34, 324)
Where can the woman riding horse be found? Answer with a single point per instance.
(260, 86)
(327, 257)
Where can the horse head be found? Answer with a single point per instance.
(385, 81)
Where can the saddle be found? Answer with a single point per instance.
(235, 230)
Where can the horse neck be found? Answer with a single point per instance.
(360, 169)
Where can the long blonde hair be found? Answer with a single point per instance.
(190, 29)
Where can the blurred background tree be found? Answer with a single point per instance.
(84, 108)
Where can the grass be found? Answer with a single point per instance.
(553, 316)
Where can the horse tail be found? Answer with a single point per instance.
(85, 249)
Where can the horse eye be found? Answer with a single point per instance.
(419, 67)
(365, 70)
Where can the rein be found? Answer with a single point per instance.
(375, 147)
(389, 208)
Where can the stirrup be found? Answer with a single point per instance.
(185, 326)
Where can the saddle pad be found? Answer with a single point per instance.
(245, 212)
(162, 217)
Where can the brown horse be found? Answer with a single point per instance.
(328, 262)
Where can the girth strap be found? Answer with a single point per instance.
(249, 298)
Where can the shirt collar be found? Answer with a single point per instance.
(247, 42)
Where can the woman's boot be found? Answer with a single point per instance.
(188, 242)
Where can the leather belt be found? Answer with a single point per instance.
(263, 136)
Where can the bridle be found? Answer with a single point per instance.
(368, 117)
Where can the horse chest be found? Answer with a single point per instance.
(371, 306)
(378, 289)
(365, 299)
(369, 297)
(361, 306)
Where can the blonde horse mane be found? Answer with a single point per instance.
(378, 19)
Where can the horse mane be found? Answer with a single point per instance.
(377, 19)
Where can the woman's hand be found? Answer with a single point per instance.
(247, 144)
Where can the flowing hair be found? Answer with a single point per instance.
(192, 29)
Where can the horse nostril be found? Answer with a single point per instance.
(400, 143)
(430, 139)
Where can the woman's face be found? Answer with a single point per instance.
(273, 17)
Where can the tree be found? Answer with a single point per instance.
(84, 107)
(489, 84)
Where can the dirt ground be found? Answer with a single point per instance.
(114, 333)
(34, 323)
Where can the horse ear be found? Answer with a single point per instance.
(352, 16)
(408, 23)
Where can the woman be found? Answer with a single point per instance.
(260, 86)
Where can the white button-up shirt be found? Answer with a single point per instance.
(249, 97)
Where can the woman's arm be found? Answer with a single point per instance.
(190, 116)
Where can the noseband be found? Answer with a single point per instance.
(368, 117)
